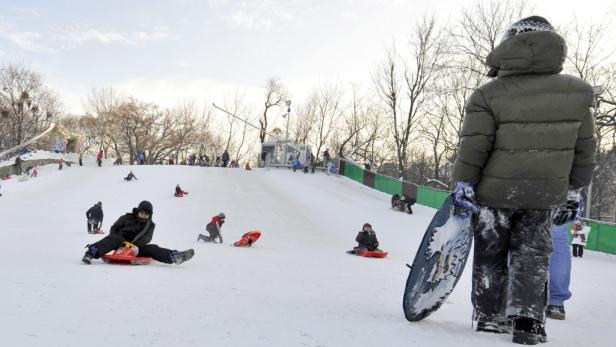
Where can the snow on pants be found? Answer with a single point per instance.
(520, 289)
(114, 241)
(560, 266)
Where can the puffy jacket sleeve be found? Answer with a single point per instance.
(476, 139)
(584, 158)
(89, 212)
(359, 238)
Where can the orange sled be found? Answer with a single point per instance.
(126, 254)
(369, 254)
(248, 239)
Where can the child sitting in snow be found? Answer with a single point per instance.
(130, 177)
(366, 240)
(179, 192)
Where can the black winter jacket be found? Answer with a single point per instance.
(367, 239)
(95, 212)
(129, 226)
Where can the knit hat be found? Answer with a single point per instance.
(146, 206)
(533, 23)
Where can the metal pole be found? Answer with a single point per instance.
(597, 91)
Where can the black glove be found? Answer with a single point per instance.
(569, 212)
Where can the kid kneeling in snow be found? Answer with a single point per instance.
(366, 240)
(179, 192)
(213, 227)
(137, 228)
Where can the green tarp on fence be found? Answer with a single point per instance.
(602, 237)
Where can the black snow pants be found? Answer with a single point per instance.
(578, 250)
(113, 241)
(511, 258)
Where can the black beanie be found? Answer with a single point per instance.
(145, 206)
(533, 23)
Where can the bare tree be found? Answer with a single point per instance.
(327, 103)
(275, 95)
(26, 105)
(427, 50)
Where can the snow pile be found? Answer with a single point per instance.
(295, 287)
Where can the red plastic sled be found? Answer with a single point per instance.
(373, 254)
(180, 194)
(125, 255)
(248, 239)
(6, 178)
(98, 231)
(369, 254)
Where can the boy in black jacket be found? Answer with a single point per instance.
(366, 240)
(127, 228)
(95, 218)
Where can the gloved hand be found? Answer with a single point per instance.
(569, 212)
(464, 199)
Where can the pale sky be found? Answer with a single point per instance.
(172, 51)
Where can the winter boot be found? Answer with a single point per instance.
(203, 238)
(90, 253)
(543, 337)
(180, 257)
(556, 312)
(526, 331)
(493, 327)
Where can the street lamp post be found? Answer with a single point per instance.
(596, 91)
(286, 139)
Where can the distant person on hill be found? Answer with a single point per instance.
(99, 158)
(247, 166)
(179, 192)
(131, 176)
(137, 228)
(213, 227)
(326, 157)
(17, 165)
(95, 218)
(60, 164)
(225, 158)
(34, 172)
(80, 159)
(366, 240)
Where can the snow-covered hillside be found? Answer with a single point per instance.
(295, 287)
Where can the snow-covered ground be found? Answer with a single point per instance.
(295, 287)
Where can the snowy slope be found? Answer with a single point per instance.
(295, 287)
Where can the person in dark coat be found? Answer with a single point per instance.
(17, 165)
(225, 158)
(131, 176)
(366, 240)
(213, 227)
(60, 164)
(137, 228)
(526, 150)
(95, 218)
(326, 157)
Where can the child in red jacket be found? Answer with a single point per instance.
(213, 227)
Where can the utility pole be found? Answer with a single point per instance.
(286, 139)
(596, 91)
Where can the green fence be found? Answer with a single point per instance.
(431, 197)
(602, 237)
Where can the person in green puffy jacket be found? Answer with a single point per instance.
(526, 151)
